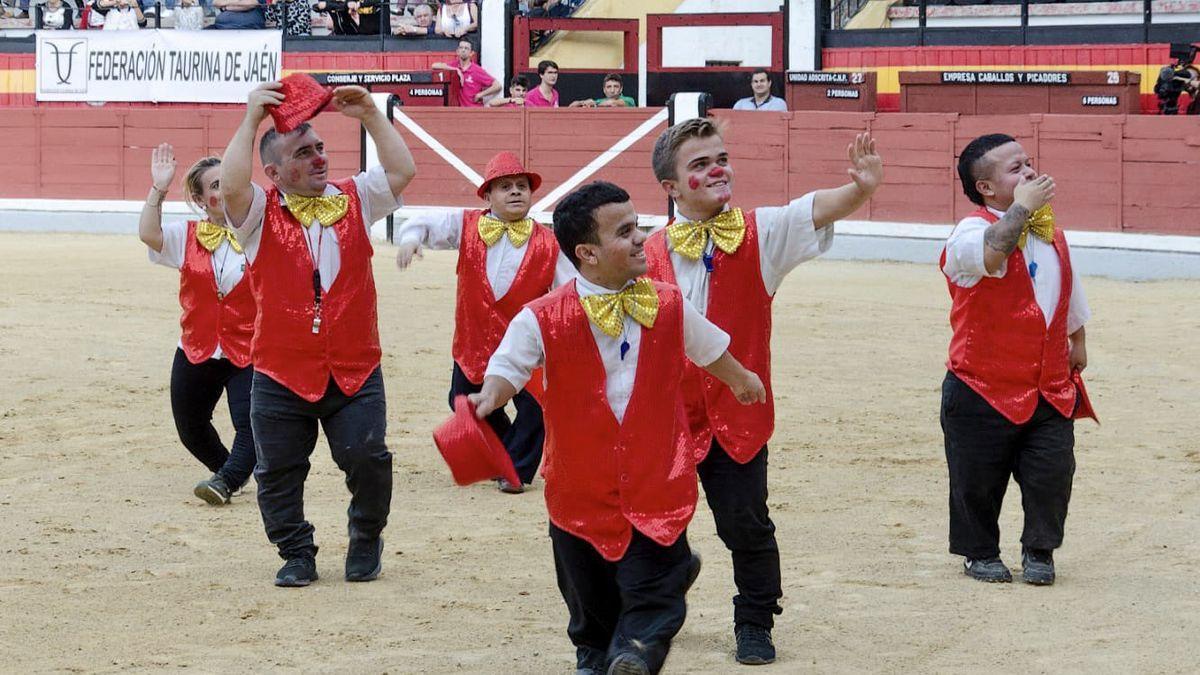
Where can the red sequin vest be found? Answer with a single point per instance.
(209, 321)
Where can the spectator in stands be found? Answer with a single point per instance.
(544, 95)
(355, 17)
(294, 17)
(189, 16)
(554, 8)
(475, 83)
(150, 7)
(120, 14)
(57, 16)
(760, 84)
(423, 24)
(456, 18)
(516, 94)
(613, 97)
(239, 15)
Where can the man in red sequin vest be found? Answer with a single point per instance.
(316, 340)
(1013, 386)
(620, 472)
(505, 260)
(729, 263)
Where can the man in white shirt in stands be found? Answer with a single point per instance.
(760, 84)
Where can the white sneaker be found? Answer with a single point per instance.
(168, 13)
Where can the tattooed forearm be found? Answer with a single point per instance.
(1002, 235)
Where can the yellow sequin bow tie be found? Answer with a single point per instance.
(727, 231)
(639, 300)
(326, 210)
(491, 229)
(210, 236)
(1041, 223)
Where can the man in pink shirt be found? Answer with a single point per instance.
(475, 83)
(544, 95)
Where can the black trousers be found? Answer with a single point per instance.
(737, 495)
(635, 604)
(285, 433)
(195, 390)
(522, 437)
(983, 449)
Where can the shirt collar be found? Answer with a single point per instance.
(680, 218)
(330, 190)
(586, 288)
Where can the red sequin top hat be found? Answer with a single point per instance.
(471, 449)
(506, 164)
(303, 98)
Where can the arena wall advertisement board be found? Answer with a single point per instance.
(155, 65)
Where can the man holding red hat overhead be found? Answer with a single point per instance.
(505, 260)
(316, 341)
(729, 262)
(1013, 386)
(620, 478)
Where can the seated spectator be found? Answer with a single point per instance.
(120, 14)
(516, 94)
(57, 16)
(293, 16)
(422, 24)
(150, 7)
(475, 82)
(456, 18)
(554, 8)
(239, 15)
(613, 97)
(189, 16)
(760, 84)
(355, 17)
(544, 95)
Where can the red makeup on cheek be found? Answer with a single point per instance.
(693, 182)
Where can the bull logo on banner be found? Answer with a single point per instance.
(62, 65)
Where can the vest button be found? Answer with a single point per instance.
(624, 478)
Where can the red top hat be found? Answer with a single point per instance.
(303, 98)
(471, 449)
(506, 164)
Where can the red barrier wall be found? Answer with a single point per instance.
(1115, 173)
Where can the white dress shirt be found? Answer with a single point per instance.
(965, 268)
(377, 201)
(227, 264)
(522, 349)
(786, 238)
(442, 230)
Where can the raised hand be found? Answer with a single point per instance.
(261, 96)
(162, 166)
(866, 166)
(1034, 194)
(354, 101)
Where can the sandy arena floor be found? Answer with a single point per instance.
(108, 563)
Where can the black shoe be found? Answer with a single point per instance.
(297, 572)
(364, 559)
(509, 488)
(628, 663)
(1037, 566)
(214, 490)
(754, 645)
(693, 571)
(991, 570)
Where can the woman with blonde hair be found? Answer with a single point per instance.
(213, 355)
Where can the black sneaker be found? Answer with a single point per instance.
(628, 663)
(991, 570)
(214, 491)
(693, 571)
(364, 559)
(754, 645)
(509, 488)
(297, 572)
(1037, 566)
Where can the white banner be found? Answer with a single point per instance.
(210, 66)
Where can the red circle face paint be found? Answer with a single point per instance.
(693, 182)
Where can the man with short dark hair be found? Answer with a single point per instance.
(544, 95)
(316, 338)
(475, 84)
(613, 97)
(760, 84)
